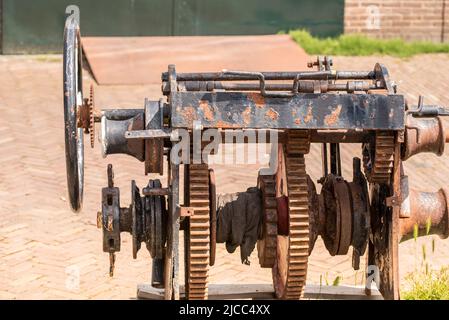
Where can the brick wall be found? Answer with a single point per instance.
(407, 19)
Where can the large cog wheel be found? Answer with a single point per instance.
(292, 251)
(197, 235)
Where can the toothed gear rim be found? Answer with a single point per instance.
(266, 245)
(92, 116)
(198, 237)
(378, 158)
(290, 268)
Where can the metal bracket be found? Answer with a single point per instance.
(185, 211)
(428, 110)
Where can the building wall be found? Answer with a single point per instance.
(407, 19)
(36, 26)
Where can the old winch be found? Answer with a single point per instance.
(282, 215)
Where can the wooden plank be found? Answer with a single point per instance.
(265, 291)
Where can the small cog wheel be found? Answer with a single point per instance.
(91, 104)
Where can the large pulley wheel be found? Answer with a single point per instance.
(292, 249)
(337, 235)
(149, 220)
(197, 231)
(157, 218)
(73, 100)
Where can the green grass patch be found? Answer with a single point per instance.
(360, 45)
(48, 58)
(429, 285)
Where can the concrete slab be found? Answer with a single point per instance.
(266, 292)
(141, 60)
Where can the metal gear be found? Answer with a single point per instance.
(292, 252)
(92, 116)
(86, 116)
(378, 158)
(266, 245)
(213, 216)
(197, 235)
(383, 243)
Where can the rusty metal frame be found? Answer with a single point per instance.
(303, 111)
(171, 275)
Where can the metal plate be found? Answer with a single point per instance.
(303, 111)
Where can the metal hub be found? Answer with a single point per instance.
(145, 219)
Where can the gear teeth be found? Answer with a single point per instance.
(266, 246)
(382, 164)
(199, 232)
(298, 144)
(92, 116)
(298, 203)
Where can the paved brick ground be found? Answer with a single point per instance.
(44, 246)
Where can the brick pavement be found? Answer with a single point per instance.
(43, 245)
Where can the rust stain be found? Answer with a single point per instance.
(207, 110)
(332, 118)
(298, 121)
(247, 115)
(188, 113)
(226, 125)
(257, 98)
(272, 114)
(309, 115)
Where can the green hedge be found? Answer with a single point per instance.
(360, 45)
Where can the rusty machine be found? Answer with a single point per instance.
(283, 213)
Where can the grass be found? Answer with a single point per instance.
(48, 58)
(426, 283)
(430, 285)
(360, 45)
